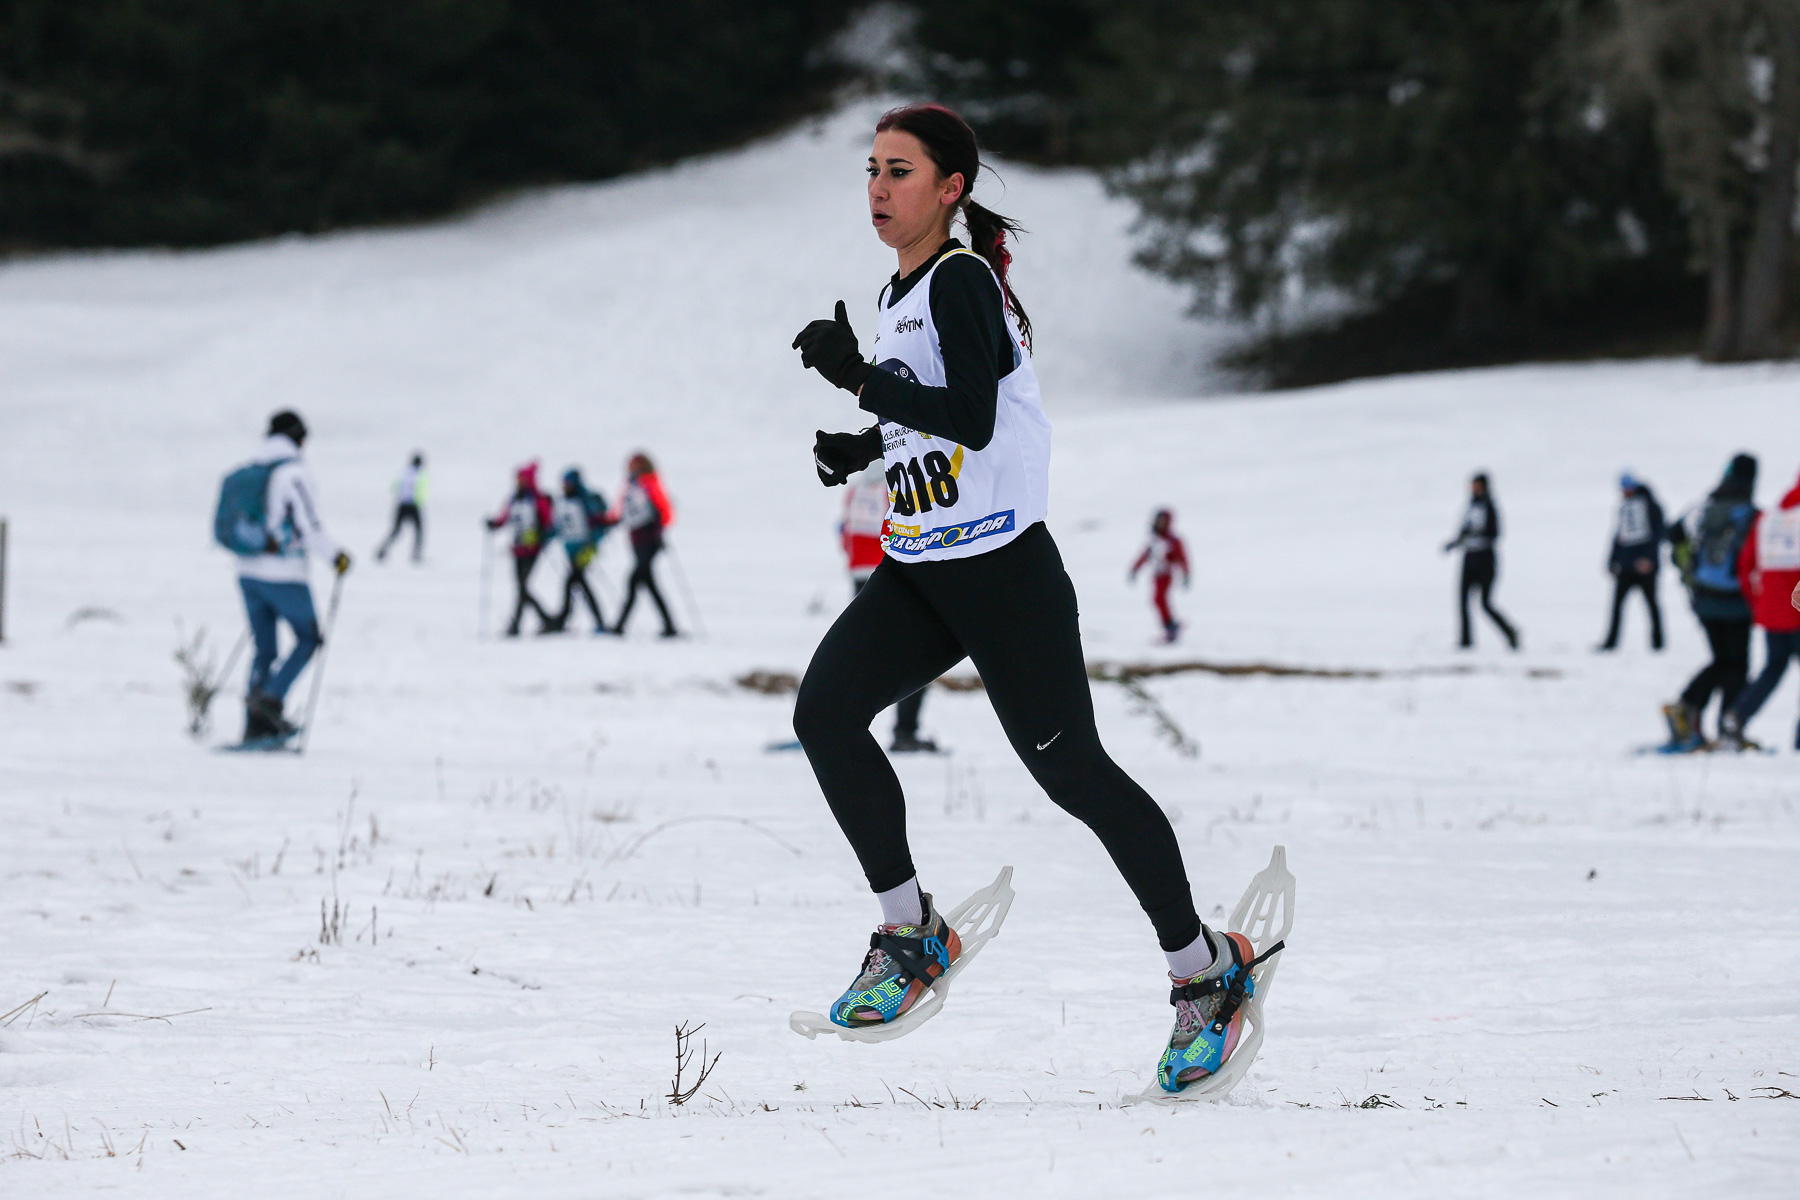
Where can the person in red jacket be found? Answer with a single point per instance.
(528, 514)
(645, 510)
(1164, 554)
(1769, 570)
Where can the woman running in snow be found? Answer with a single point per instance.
(971, 571)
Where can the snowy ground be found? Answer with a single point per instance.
(1526, 960)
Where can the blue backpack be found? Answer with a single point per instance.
(241, 522)
(1724, 524)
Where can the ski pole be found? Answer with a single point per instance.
(487, 570)
(687, 594)
(230, 661)
(312, 701)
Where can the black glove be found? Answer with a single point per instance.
(838, 456)
(829, 347)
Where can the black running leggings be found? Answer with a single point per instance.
(1012, 613)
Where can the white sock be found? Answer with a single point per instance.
(902, 905)
(1192, 958)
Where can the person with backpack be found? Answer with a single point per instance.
(581, 521)
(1769, 570)
(409, 508)
(268, 515)
(1165, 555)
(645, 510)
(1636, 556)
(1478, 540)
(528, 515)
(1708, 542)
(861, 533)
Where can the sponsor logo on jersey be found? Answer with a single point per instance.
(908, 539)
(908, 324)
(895, 366)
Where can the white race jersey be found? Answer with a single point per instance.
(949, 501)
(1778, 540)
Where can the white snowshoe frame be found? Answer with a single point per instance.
(1265, 915)
(976, 921)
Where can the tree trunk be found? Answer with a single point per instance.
(1769, 246)
(1720, 339)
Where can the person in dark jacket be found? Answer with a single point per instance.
(1636, 556)
(1707, 543)
(1480, 566)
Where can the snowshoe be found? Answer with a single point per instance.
(1228, 997)
(902, 963)
(912, 743)
(264, 744)
(898, 990)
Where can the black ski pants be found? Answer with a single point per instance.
(1012, 613)
(1729, 668)
(645, 549)
(1624, 583)
(906, 713)
(522, 565)
(1781, 647)
(404, 515)
(1479, 569)
(578, 582)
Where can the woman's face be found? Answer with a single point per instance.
(908, 201)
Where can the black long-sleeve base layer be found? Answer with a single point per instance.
(1012, 612)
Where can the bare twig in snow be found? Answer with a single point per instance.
(684, 1056)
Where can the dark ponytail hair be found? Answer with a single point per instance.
(951, 144)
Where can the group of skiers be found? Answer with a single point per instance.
(1740, 566)
(268, 516)
(580, 518)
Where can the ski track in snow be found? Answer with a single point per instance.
(546, 854)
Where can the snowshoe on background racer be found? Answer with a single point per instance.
(1209, 1011)
(902, 963)
(1684, 730)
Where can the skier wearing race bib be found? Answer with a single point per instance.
(581, 521)
(1636, 555)
(528, 515)
(970, 571)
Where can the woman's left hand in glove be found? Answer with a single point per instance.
(838, 456)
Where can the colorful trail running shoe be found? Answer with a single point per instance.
(902, 963)
(1208, 1016)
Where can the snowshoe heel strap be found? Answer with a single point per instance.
(910, 955)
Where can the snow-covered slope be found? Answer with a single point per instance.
(1510, 928)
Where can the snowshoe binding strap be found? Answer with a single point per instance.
(917, 958)
(1235, 985)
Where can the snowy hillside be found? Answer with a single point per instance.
(1525, 958)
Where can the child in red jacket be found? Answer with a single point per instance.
(1769, 570)
(1165, 555)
